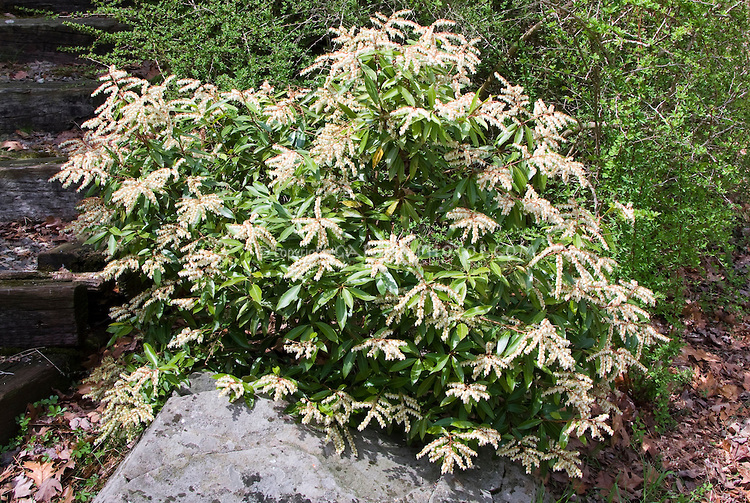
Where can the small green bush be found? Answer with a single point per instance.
(378, 249)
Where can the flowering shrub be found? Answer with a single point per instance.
(378, 249)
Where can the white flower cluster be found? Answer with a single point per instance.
(468, 393)
(316, 228)
(302, 350)
(324, 261)
(192, 210)
(186, 336)
(468, 220)
(132, 189)
(382, 408)
(392, 251)
(338, 407)
(527, 452)
(280, 386)
(553, 164)
(200, 264)
(389, 347)
(424, 291)
(407, 115)
(542, 209)
(284, 165)
(126, 408)
(231, 387)
(116, 268)
(334, 147)
(155, 264)
(171, 234)
(452, 448)
(253, 234)
(89, 160)
(548, 123)
(103, 377)
(495, 177)
(92, 212)
(487, 363)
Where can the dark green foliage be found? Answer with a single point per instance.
(241, 43)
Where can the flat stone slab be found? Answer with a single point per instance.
(201, 448)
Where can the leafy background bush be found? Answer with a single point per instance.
(273, 236)
(659, 89)
(242, 43)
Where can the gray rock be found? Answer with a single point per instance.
(201, 448)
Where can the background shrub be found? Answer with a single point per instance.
(658, 89)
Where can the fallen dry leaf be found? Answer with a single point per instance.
(649, 447)
(48, 490)
(13, 146)
(39, 472)
(20, 75)
(80, 422)
(740, 453)
(68, 495)
(629, 480)
(6, 473)
(746, 381)
(744, 471)
(22, 486)
(707, 384)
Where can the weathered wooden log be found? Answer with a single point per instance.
(73, 256)
(42, 312)
(49, 106)
(24, 40)
(26, 381)
(68, 6)
(26, 192)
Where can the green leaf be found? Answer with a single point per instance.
(111, 245)
(347, 296)
(362, 295)
(390, 283)
(348, 363)
(327, 331)
(463, 257)
(372, 88)
(462, 331)
(289, 296)
(348, 111)
(233, 281)
(407, 96)
(341, 312)
(255, 293)
(151, 354)
(416, 371)
(402, 364)
(323, 298)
